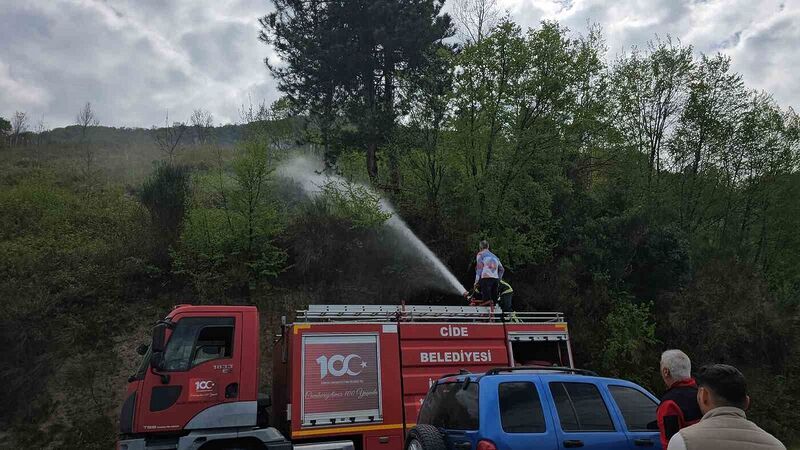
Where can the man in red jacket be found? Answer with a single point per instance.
(678, 408)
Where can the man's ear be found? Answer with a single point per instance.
(702, 396)
(746, 402)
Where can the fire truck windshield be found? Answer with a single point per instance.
(196, 340)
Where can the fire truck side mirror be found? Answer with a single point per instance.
(157, 347)
(159, 336)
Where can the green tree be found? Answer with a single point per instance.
(227, 241)
(165, 194)
(5, 131)
(704, 140)
(630, 343)
(19, 127)
(352, 203)
(525, 106)
(344, 60)
(650, 91)
(424, 134)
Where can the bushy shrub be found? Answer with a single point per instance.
(165, 194)
(354, 204)
(629, 346)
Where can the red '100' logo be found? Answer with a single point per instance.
(204, 385)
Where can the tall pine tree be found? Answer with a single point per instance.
(343, 63)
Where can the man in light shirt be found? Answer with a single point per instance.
(488, 272)
(722, 397)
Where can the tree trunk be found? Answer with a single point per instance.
(325, 128)
(760, 250)
(372, 161)
(394, 171)
(388, 116)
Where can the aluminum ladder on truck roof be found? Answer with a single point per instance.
(418, 313)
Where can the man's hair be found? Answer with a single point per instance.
(679, 365)
(726, 384)
(484, 244)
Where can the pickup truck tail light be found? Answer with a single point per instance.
(486, 445)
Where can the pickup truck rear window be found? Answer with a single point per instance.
(580, 407)
(638, 410)
(520, 408)
(452, 406)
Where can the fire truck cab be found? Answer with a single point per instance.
(344, 376)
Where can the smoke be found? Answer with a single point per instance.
(308, 176)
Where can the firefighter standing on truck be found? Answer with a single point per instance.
(488, 272)
(506, 293)
(505, 300)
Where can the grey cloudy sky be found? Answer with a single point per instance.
(137, 59)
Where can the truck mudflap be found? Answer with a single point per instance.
(271, 438)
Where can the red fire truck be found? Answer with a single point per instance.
(344, 377)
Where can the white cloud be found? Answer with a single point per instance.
(760, 36)
(136, 59)
(18, 90)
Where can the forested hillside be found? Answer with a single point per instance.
(654, 198)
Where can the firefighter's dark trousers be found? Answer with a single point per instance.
(505, 302)
(489, 288)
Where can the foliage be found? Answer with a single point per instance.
(515, 96)
(650, 91)
(350, 80)
(203, 124)
(352, 203)
(227, 239)
(5, 131)
(169, 138)
(629, 348)
(165, 195)
(19, 127)
(66, 260)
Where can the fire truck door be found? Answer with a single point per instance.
(200, 368)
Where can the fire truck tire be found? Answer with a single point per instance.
(425, 437)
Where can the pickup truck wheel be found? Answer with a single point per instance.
(425, 437)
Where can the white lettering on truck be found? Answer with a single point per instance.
(204, 385)
(451, 331)
(455, 357)
(328, 365)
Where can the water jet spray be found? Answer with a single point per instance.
(305, 172)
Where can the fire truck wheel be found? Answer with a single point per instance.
(425, 437)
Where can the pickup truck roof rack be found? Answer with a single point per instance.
(498, 370)
(418, 313)
(457, 374)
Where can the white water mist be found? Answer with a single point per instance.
(305, 172)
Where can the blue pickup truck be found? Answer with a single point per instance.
(535, 408)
